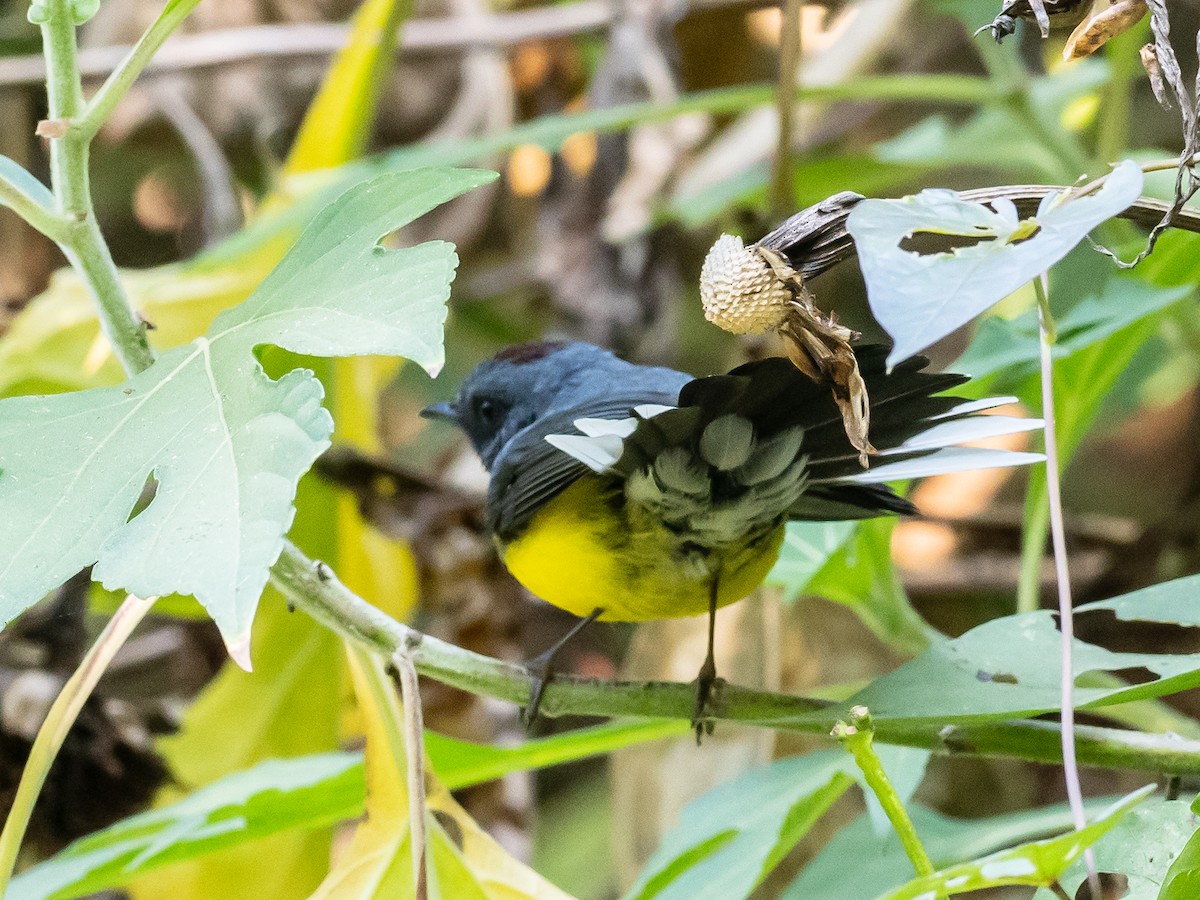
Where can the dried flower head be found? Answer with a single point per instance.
(739, 290)
(752, 290)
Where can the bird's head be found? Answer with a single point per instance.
(507, 393)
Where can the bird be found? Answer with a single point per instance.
(625, 492)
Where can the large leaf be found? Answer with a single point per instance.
(284, 795)
(1036, 863)
(859, 862)
(274, 796)
(807, 547)
(727, 841)
(920, 297)
(999, 671)
(225, 443)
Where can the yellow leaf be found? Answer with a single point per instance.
(464, 863)
(338, 123)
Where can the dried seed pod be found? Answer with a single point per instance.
(752, 290)
(739, 291)
(1093, 33)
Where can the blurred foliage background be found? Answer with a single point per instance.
(629, 134)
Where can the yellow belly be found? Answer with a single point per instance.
(579, 553)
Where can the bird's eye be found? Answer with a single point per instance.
(486, 411)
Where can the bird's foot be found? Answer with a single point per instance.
(706, 681)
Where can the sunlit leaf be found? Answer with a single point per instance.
(1144, 847)
(284, 795)
(861, 862)
(274, 796)
(1035, 863)
(225, 443)
(463, 862)
(338, 123)
(920, 297)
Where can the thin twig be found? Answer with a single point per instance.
(255, 43)
(414, 740)
(783, 187)
(63, 713)
(1046, 332)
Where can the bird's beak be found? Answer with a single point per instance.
(443, 412)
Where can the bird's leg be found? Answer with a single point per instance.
(708, 672)
(541, 667)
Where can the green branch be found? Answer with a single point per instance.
(122, 78)
(313, 587)
(83, 244)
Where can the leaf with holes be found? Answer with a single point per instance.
(224, 444)
(998, 670)
(920, 292)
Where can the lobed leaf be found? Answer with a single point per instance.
(224, 443)
(920, 297)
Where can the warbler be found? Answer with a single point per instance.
(624, 492)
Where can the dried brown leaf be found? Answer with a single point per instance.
(1093, 33)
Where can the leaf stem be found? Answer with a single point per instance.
(313, 587)
(1047, 334)
(83, 243)
(62, 716)
(45, 220)
(414, 746)
(123, 76)
(858, 737)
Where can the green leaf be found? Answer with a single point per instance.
(999, 671)
(728, 840)
(1011, 346)
(861, 575)
(20, 178)
(1035, 863)
(922, 297)
(283, 795)
(1142, 847)
(1182, 880)
(1000, 136)
(274, 796)
(861, 862)
(225, 444)
(807, 547)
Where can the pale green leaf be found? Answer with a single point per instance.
(1182, 879)
(1035, 863)
(861, 862)
(921, 297)
(274, 796)
(1143, 847)
(225, 444)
